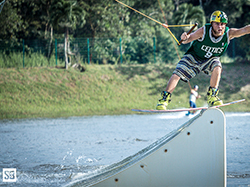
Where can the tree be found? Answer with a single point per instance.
(67, 15)
(188, 13)
(10, 20)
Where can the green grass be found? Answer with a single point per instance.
(108, 90)
(36, 59)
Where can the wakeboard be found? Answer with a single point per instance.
(187, 109)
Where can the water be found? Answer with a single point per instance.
(52, 152)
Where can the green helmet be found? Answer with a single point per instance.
(219, 16)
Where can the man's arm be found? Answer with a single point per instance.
(187, 38)
(235, 33)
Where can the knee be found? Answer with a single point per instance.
(217, 70)
(175, 77)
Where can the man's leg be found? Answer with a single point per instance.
(190, 106)
(193, 105)
(215, 77)
(184, 70)
(166, 95)
(172, 83)
(213, 91)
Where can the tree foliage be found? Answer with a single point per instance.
(48, 19)
(66, 15)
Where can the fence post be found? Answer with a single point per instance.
(154, 50)
(121, 50)
(23, 52)
(88, 50)
(56, 50)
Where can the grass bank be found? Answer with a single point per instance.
(107, 90)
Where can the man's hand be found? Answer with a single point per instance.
(185, 36)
